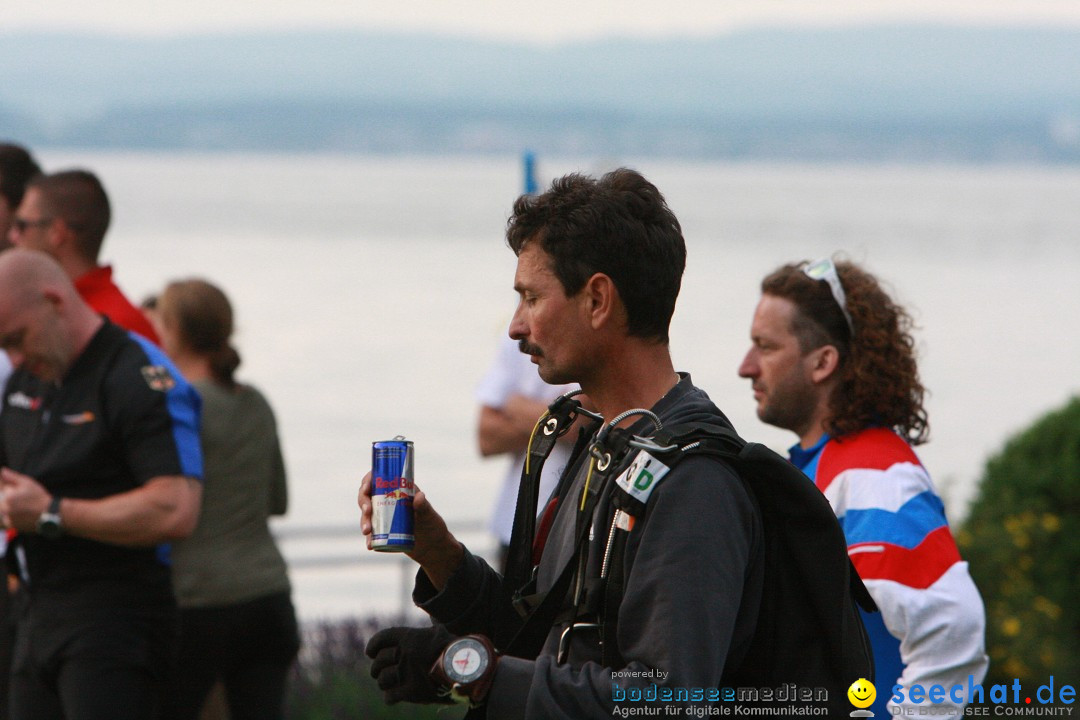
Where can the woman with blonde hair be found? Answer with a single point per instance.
(238, 625)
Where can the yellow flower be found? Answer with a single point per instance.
(1015, 668)
(1046, 607)
(1051, 523)
(1010, 627)
(1016, 526)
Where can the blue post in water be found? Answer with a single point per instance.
(529, 163)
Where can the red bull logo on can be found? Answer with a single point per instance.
(394, 484)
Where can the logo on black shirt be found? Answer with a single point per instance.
(23, 401)
(158, 378)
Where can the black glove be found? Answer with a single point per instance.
(402, 658)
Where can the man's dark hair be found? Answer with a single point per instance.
(879, 376)
(78, 198)
(619, 225)
(17, 166)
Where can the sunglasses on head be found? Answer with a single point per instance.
(825, 269)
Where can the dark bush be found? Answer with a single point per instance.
(330, 681)
(1022, 539)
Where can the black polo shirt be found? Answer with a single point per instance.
(121, 416)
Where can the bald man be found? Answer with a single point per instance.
(99, 465)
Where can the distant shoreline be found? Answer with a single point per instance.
(915, 93)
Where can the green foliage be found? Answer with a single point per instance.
(1022, 539)
(331, 679)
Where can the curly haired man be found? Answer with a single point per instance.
(832, 359)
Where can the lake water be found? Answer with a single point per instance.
(370, 293)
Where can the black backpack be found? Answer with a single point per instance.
(809, 630)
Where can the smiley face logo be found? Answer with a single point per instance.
(862, 693)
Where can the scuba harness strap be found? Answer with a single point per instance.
(604, 456)
(549, 428)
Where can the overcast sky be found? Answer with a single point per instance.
(540, 20)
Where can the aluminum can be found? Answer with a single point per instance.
(392, 492)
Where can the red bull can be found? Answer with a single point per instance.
(392, 493)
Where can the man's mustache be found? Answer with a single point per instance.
(529, 349)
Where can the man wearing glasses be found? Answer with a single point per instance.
(66, 215)
(832, 359)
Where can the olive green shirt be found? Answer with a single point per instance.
(231, 557)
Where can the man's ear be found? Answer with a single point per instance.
(57, 233)
(824, 362)
(601, 299)
(53, 297)
(62, 236)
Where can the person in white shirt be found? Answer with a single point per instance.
(512, 397)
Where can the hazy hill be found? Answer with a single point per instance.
(914, 93)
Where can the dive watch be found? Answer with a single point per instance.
(48, 524)
(466, 667)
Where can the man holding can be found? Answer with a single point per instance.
(599, 267)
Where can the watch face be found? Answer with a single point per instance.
(465, 660)
(49, 527)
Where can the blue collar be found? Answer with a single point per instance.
(806, 459)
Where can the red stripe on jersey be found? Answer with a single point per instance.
(873, 449)
(919, 567)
